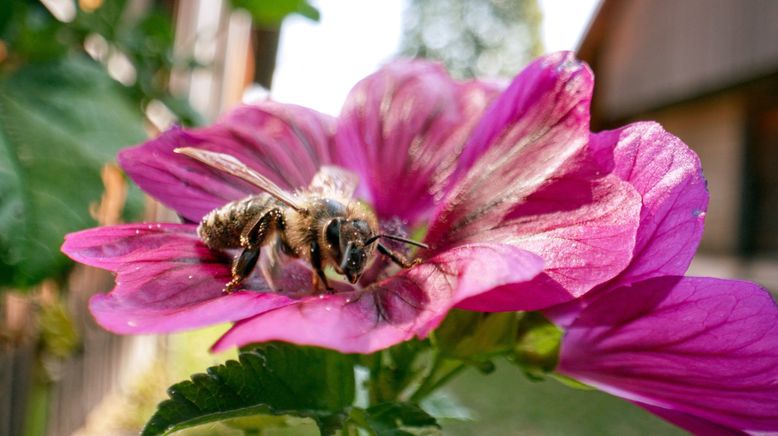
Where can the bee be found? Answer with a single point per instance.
(322, 224)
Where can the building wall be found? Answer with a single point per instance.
(651, 53)
(714, 127)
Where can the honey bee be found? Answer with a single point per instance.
(322, 224)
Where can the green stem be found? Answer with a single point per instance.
(442, 371)
(374, 385)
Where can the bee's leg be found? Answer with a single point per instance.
(258, 229)
(242, 266)
(319, 278)
(251, 239)
(397, 258)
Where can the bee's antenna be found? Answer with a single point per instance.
(396, 238)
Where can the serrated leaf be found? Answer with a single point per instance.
(60, 122)
(291, 425)
(274, 379)
(400, 419)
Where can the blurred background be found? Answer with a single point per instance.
(81, 79)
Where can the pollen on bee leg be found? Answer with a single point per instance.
(231, 286)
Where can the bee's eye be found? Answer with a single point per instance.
(332, 233)
(362, 227)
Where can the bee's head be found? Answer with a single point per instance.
(346, 238)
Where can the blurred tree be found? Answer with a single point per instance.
(487, 38)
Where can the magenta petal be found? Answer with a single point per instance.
(699, 346)
(282, 142)
(583, 228)
(523, 139)
(166, 279)
(668, 176)
(402, 130)
(109, 247)
(404, 306)
(120, 316)
(520, 181)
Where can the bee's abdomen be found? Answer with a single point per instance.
(221, 228)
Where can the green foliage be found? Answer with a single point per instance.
(62, 117)
(274, 386)
(398, 419)
(443, 405)
(147, 41)
(274, 379)
(476, 337)
(144, 37)
(60, 122)
(31, 32)
(394, 370)
(270, 14)
(272, 424)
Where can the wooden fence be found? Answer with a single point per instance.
(44, 394)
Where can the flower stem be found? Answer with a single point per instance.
(442, 371)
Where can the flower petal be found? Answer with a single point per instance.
(409, 304)
(522, 180)
(525, 136)
(167, 280)
(402, 130)
(285, 143)
(699, 346)
(668, 176)
(583, 228)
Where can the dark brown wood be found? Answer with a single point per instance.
(265, 46)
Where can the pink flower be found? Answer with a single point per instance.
(519, 216)
(701, 353)
(524, 210)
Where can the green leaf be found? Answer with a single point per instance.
(273, 379)
(268, 424)
(444, 405)
(60, 122)
(399, 419)
(271, 13)
(475, 337)
(31, 32)
(6, 12)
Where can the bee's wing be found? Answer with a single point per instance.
(231, 165)
(336, 182)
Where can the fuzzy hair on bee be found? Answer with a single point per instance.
(321, 224)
